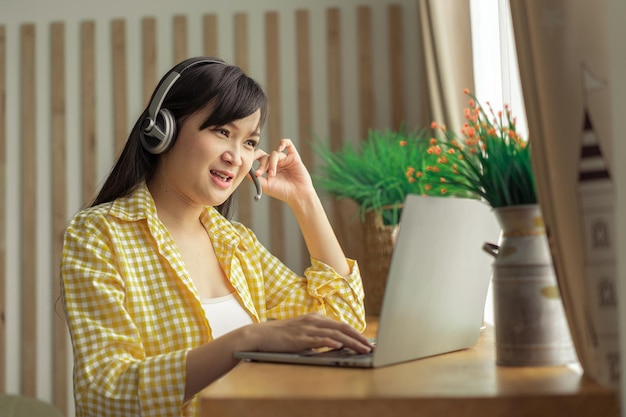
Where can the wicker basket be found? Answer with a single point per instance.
(379, 243)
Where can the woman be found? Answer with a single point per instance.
(160, 288)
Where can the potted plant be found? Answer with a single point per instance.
(373, 173)
(492, 162)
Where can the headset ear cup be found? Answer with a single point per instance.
(159, 138)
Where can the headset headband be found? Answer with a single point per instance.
(164, 87)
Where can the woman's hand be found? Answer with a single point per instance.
(210, 361)
(282, 174)
(309, 331)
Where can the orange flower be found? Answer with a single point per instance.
(403, 143)
(433, 125)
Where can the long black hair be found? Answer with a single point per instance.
(233, 96)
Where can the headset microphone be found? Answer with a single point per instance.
(257, 184)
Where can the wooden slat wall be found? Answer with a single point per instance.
(242, 59)
(59, 193)
(272, 69)
(88, 110)
(348, 232)
(118, 62)
(180, 39)
(149, 57)
(3, 159)
(366, 75)
(209, 30)
(29, 204)
(102, 54)
(305, 91)
(396, 60)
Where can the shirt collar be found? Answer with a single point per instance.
(139, 205)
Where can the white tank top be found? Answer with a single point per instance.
(225, 314)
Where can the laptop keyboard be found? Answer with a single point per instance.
(337, 353)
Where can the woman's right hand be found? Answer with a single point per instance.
(309, 331)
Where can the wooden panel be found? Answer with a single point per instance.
(304, 84)
(88, 109)
(3, 138)
(149, 57)
(305, 94)
(59, 210)
(241, 41)
(396, 61)
(334, 97)
(241, 38)
(349, 232)
(180, 38)
(28, 280)
(366, 76)
(333, 63)
(272, 68)
(209, 29)
(242, 59)
(120, 105)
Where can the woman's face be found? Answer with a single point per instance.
(205, 167)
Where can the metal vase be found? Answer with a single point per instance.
(530, 324)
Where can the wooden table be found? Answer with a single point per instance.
(458, 384)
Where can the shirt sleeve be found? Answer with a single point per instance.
(321, 289)
(114, 375)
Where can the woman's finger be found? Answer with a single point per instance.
(339, 332)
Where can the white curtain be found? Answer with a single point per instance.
(447, 48)
(564, 58)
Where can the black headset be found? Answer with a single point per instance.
(159, 126)
(158, 129)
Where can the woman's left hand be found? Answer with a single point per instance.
(282, 173)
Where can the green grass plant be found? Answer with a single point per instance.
(372, 172)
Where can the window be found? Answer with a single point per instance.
(496, 74)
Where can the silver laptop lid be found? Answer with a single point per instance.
(438, 279)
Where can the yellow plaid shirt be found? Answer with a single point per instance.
(134, 313)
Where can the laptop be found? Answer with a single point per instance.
(436, 287)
